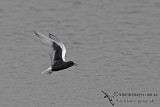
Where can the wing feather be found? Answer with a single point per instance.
(56, 40)
(47, 43)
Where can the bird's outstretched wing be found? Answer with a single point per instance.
(54, 47)
(60, 44)
(47, 43)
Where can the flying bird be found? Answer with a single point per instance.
(57, 51)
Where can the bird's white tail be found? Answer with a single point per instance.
(47, 70)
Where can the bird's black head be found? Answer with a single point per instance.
(71, 63)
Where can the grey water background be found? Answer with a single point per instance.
(116, 44)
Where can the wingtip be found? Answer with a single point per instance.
(35, 32)
(50, 34)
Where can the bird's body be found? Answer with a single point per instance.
(60, 65)
(57, 51)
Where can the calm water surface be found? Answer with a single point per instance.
(116, 44)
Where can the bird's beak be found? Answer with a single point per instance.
(75, 64)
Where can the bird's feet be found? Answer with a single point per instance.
(49, 72)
